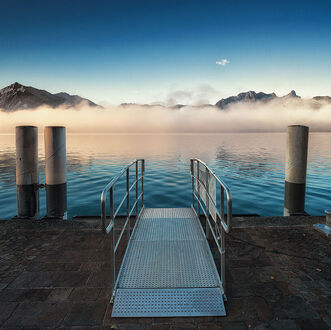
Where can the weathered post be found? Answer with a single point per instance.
(55, 168)
(295, 169)
(27, 176)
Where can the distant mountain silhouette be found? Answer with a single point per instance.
(291, 94)
(131, 104)
(322, 98)
(245, 97)
(251, 96)
(159, 105)
(18, 97)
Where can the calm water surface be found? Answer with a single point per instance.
(251, 164)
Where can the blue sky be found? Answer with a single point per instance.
(147, 51)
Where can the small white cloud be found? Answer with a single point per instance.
(223, 62)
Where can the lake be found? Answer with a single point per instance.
(252, 164)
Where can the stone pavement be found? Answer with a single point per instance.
(54, 274)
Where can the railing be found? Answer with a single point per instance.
(204, 178)
(110, 228)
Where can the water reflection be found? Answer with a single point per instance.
(75, 163)
(7, 169)
(251, 164)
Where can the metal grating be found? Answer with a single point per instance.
(167, 229)
(168, 302)
(168, 269)
(168, 264)
(163, 213)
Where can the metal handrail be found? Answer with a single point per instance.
(225, 224)
(109, 229)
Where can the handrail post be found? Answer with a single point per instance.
(112, 240)
(103, 216)
(142, 182)
(192, 175)
(198, 188)
(223, 258)
(222, 203)
(128, 201)
(137, 186)
(229, 213)
(207, 204)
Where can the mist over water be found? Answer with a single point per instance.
(250, 163)
(245, 117)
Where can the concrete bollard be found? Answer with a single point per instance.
(55, 168)
(27, 176)
(295, 170)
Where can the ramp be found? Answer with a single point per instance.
(168, 269)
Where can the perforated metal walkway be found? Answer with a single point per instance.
(168, 269)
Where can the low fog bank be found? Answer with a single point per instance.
(243, 117)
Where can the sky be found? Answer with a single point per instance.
(182, 51)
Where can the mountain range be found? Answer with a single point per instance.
(247, 97)
(19, 97)
(250, 97)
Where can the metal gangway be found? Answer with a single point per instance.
(168, 268)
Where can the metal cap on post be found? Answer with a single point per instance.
(27, 176)
(55, 168)
(295, 170)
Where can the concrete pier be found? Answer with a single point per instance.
(55, 168)
(295, 169)
(27, 176)
(57, 275)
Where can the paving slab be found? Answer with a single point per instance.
(54, 274)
